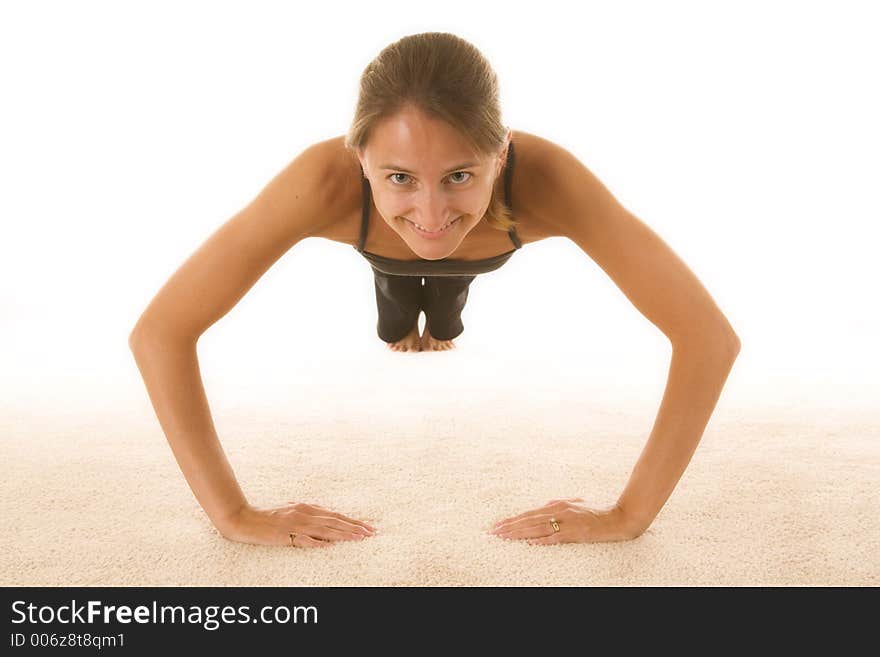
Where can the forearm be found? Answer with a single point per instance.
(697, 374)
(170, 370)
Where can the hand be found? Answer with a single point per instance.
(576, 522)
(314, 526)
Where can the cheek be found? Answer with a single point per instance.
(391, 203)
(470, 201)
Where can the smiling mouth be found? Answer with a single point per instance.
(425, 231)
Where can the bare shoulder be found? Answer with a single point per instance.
(559, 192)
(536, 165)
(296, 203)
(341, 173)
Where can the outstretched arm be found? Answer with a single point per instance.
(697, 374)
(667, 293)
(295, 204)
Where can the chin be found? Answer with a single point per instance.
(432, 250)
(434, 253)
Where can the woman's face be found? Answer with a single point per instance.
(427, 184)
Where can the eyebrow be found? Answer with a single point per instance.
(465, 165)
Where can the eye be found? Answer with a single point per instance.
(400, 183)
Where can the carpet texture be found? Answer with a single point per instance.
(774, 495)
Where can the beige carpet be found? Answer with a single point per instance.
(781, 494)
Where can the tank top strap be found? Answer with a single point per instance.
(508, 193)
(365, 211)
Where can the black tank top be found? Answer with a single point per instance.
(444, 266)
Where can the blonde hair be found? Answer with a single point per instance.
(447, 78)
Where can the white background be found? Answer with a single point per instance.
(744, 133)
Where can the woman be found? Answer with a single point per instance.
(428, 155)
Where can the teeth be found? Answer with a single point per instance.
(433, 231)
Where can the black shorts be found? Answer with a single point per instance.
(399, 300)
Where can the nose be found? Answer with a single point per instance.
(433, 211)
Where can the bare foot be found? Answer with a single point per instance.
(430, 343)
(410, 341)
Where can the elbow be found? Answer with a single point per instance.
(139, 334)
(136, 337)
(133, 338)
(149, 334)
(720, 332)
(728, 338)
(722, 341)
(732, 343)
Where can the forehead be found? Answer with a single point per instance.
(416, 141)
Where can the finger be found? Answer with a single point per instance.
(316, 528)
(303, 540)
(521, 516)
(541, 520)
(539, 510)
(545, 540)
(529, 531)
(345, 518)
(345, 526)
(330, 534)
(526, 519)
(329, 512)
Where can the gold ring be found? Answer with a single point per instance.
(554, 524)
(292, 536)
